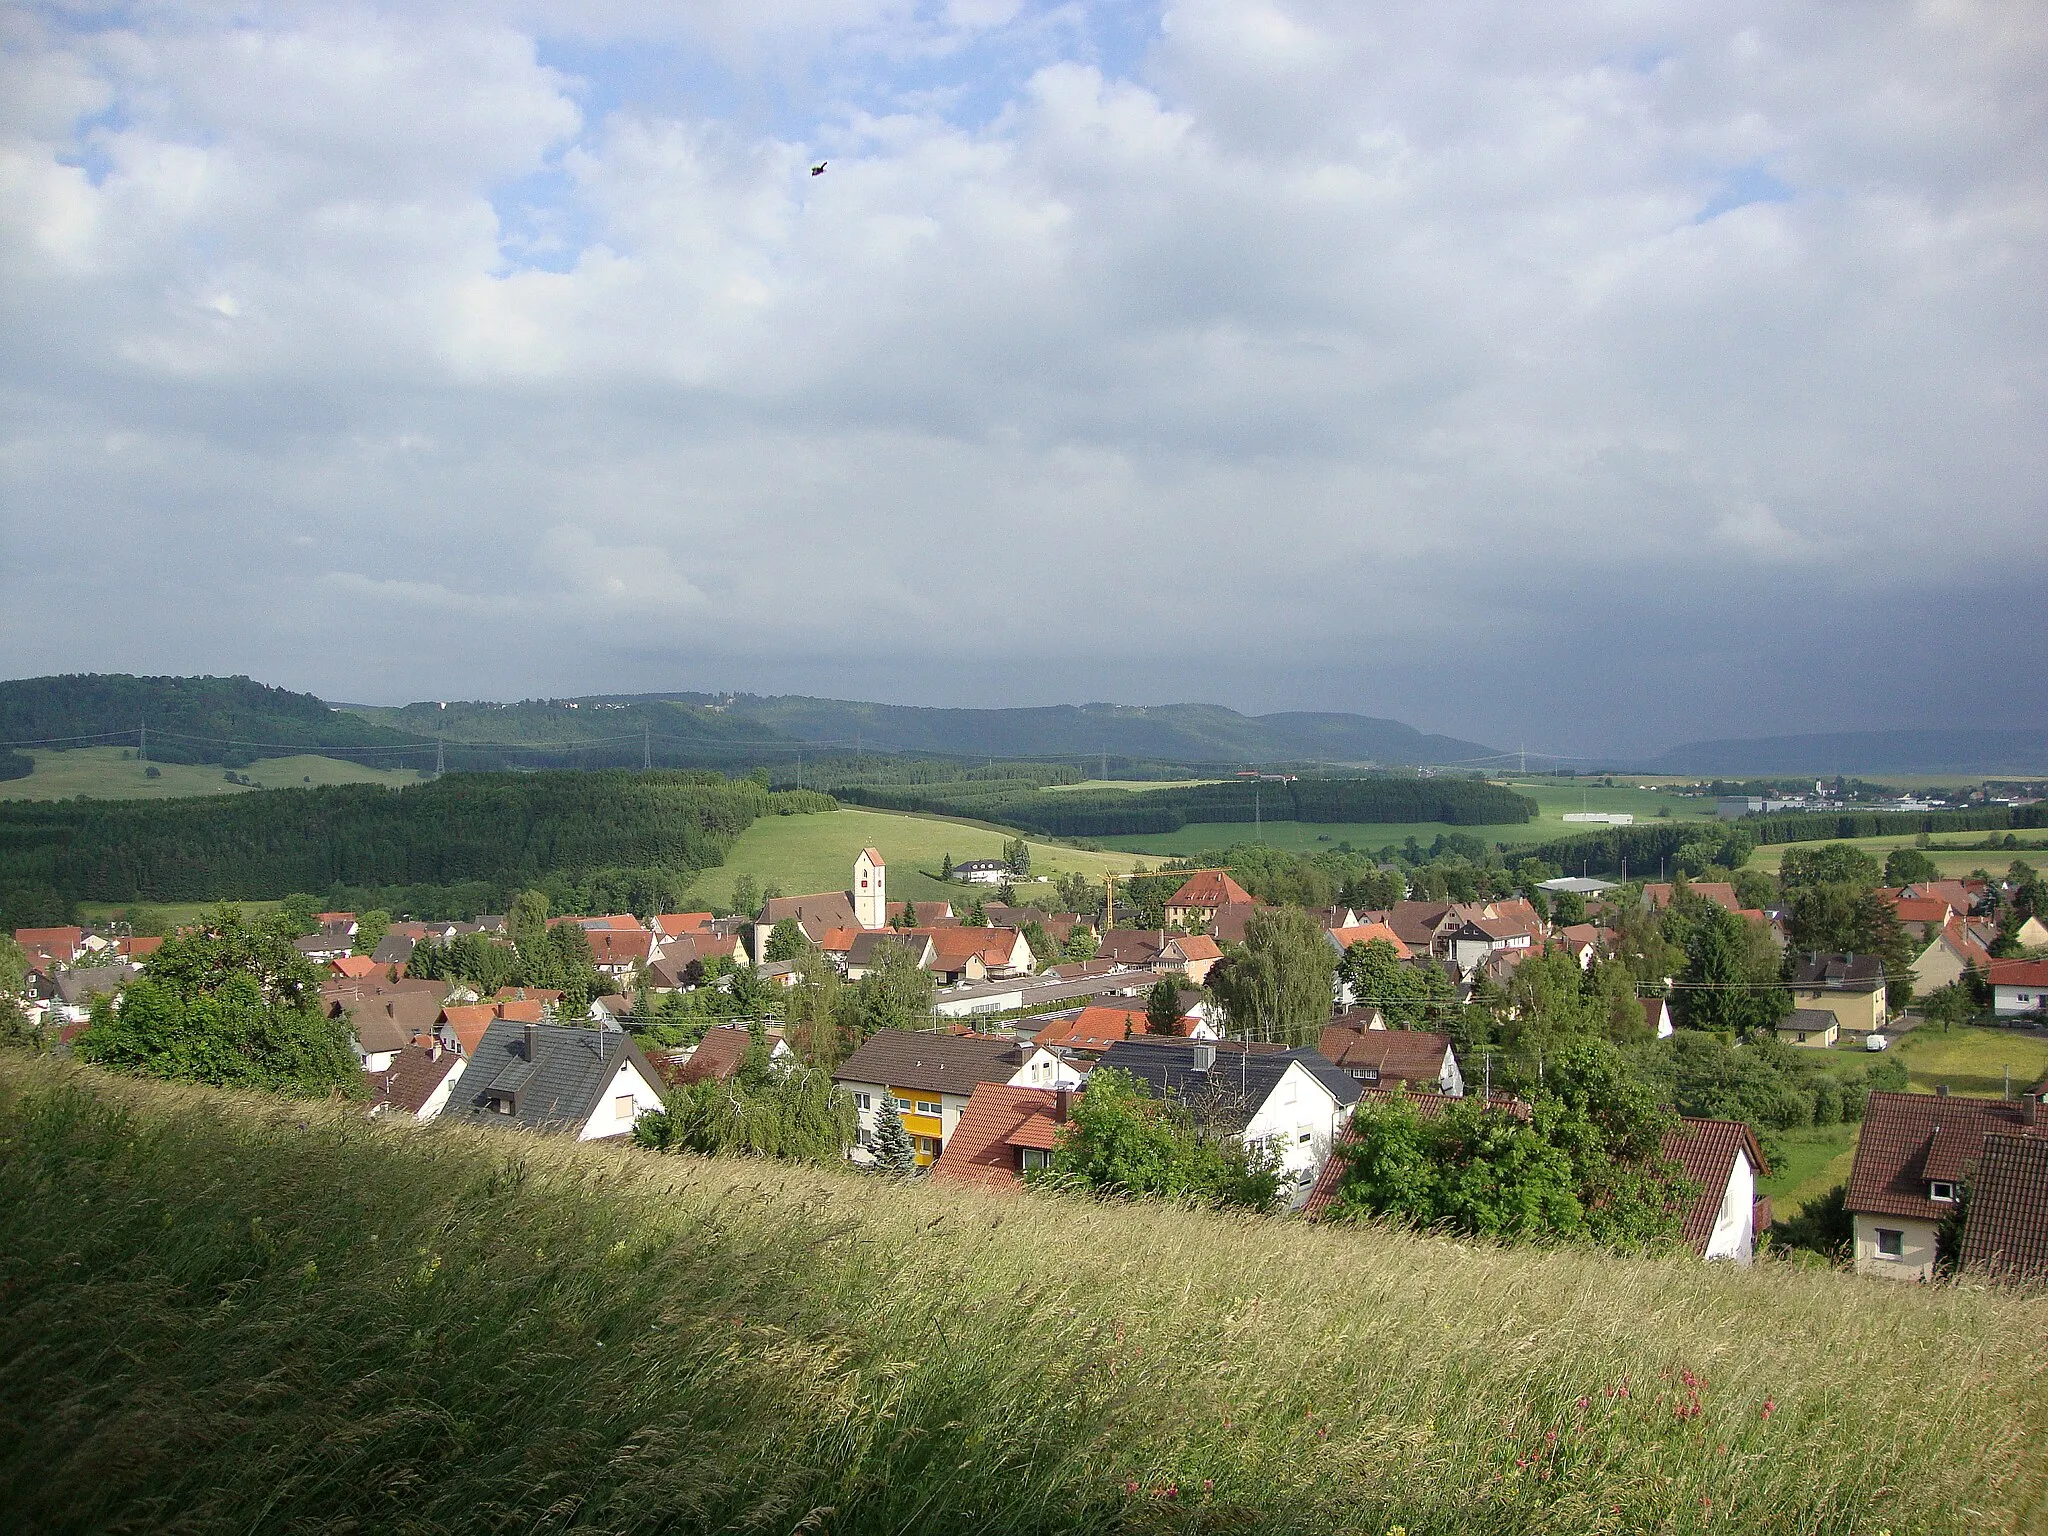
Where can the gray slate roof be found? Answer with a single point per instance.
(1229, 1094)
(557, 1090)
(1837, 973)
(393, 949)
(76, 988)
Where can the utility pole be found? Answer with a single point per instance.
(646, 747)
(799, 770)
(143, 754)
(440, 758)
(1525, 759)
(1105, 762)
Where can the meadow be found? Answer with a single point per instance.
(115, 773)
(1951, 852)
(1974, 1061)
(802, 854)
(230, 1313)
(1553, 798)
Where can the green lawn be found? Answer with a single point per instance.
(1973, 1060)
(115, 773)
(801, 854)
(1809, 1163)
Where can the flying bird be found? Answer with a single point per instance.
(819, 168)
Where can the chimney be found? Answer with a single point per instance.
(532, 1043)
(1941, 1090)
(1062, 1104)
(1205, 1055)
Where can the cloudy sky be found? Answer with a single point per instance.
(1595, 375)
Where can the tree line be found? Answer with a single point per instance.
(496, 828)
(1120, 812)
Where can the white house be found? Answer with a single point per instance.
(1294, 1102)
(1723, 1159)
(982, 872)
(2019, 987)
(561, 1078)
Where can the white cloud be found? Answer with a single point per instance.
(1380, 340)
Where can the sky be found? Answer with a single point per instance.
(1591, 375)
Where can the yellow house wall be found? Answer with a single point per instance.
(1860, 1011)
(1917, 1263)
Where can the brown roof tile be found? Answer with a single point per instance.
(929, 1059)
(1909, 1139)
(1706, 1150)
(998, 1119)
(2005, 1232)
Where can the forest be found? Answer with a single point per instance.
(1020, 802)
(505, 829)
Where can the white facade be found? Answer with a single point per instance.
(2011, 1001)
(870, 890)
(1043, 1069)
(1300, 1120)
(626, 1097)
(1734, 1234)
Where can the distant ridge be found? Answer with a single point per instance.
(1174, 733)
(1968, 751)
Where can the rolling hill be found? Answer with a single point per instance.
(1166, 733)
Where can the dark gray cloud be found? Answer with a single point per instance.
(1591, 378)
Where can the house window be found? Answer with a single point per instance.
(1891, 1243)
(1304, 1137)
(622, 1107)
(926, 1107)
(902, 1106)
(1941, 1189)
(1029, 1158)
(863, 1102)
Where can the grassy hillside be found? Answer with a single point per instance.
(800, 854)
(223, 1314)
(1954, 854)
(1974, 1061)
(116, 773)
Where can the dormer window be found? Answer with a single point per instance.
(1940, 1189)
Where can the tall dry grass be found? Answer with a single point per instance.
(220, 1313)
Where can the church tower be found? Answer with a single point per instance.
(870, 892)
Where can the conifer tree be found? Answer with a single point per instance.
(893, 1151)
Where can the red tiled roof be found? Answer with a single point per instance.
(1924, 909)
(468, 1021)
(1095, 1028)
(2018, 973)
(1198, 946)
(619, 946)
(955, 946)
(997, 1120)
(1720, 892)
(672, 924)
(1399, 1055)
(139, 946)
(353, 966)
(1365, 933)
(1909, 1139)
(718, 1056)
(1706, 1150)
(1209, 889)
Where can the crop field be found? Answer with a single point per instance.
(1553, 798)
(232, 1313)
(799, 854)
(115, 773)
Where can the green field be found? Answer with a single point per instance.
(179, 912)
(1950, 851)
(115, 773)
(1974, 1061)
(227, 1313)
(1553, 799)
(802, 854)
(1808, 1163)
